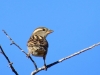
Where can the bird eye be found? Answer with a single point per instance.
(43, 29)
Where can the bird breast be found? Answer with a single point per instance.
(37, 51)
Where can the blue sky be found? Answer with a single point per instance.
(76, 25)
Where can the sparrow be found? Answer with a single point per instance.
(37, 43)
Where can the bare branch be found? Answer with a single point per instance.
(12, 42)
(65, 58)
(54, 63)
(10, 63)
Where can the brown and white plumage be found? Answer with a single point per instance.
(37, 44)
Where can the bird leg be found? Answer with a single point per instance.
(44, 63)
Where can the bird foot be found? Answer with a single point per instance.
(28, 55)
(45, 67)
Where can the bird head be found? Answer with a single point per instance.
(42, 31)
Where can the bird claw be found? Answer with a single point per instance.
(28, 55)
(45, 67)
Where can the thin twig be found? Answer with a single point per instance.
(65, 58)
(10, 63)
(12, 42)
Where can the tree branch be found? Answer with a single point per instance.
(65, 58)
(54, 63)
(10, 63)
(12, 42)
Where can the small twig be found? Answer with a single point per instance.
(12, 42)
(65, 58)
(10, 63)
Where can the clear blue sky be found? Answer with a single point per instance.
(76, 25)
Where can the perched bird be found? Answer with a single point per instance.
(37, 43)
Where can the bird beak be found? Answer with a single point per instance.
(49, 31)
